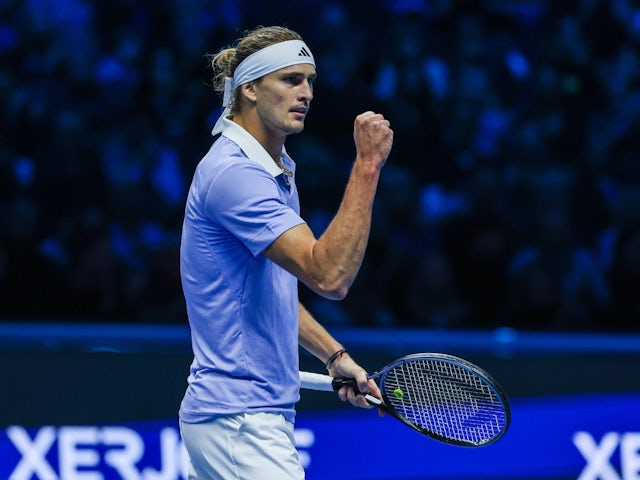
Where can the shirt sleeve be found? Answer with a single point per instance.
(245, 200)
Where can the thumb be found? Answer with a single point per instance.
(363, 380)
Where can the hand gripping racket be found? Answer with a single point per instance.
(441, 396)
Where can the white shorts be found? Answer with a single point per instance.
(242, 447)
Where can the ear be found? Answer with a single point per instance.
(248, 90)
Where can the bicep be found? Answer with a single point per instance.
(294, 251)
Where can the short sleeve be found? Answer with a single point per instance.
(245, 200)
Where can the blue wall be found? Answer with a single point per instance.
(103, 399)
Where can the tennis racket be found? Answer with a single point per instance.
(441, 396)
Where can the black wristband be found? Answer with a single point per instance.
(333, 357)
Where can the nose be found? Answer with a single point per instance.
(306, 92)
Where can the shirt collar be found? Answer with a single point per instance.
(250, 146)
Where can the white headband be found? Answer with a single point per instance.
(261, 63)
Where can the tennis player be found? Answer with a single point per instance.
(245, 247)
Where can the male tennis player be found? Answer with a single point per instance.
(244, 249)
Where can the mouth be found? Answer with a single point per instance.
(299, 112)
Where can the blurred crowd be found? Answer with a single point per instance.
(511, 198)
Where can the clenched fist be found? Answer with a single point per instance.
(373, 138)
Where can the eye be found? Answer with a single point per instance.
(292, 79)
(298, 79)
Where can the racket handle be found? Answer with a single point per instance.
(338, 383)
(318, 381)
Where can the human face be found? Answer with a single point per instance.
(283, 98)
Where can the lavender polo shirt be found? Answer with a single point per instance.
(242, 307)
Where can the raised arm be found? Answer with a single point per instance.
(328, 265)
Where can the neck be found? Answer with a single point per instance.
(270, 142)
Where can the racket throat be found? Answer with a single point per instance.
(374, 401)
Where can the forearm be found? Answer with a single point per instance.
(314, 338)
(339, 251)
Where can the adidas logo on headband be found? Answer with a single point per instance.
(304, 53)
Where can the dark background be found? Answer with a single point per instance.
(511, 197)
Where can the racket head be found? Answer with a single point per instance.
(446, 398)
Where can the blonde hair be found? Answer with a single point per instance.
(225, 62)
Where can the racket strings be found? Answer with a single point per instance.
(445, 399)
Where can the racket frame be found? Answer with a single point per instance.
(387, 406)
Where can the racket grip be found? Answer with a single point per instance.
(338, 383)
